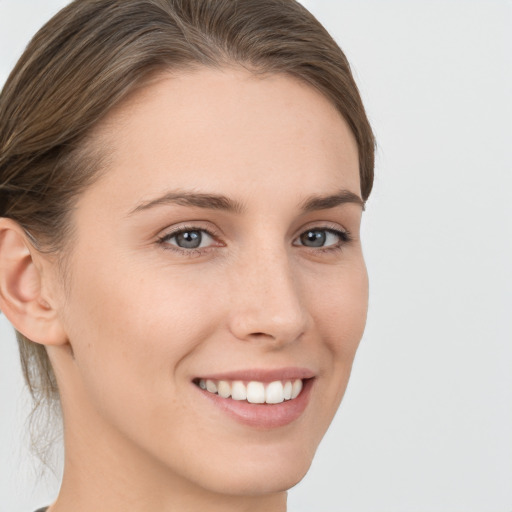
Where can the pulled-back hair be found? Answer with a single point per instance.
(94, 53)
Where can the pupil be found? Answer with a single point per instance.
(189, 239)
(314, 238)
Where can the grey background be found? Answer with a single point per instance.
(426, 424)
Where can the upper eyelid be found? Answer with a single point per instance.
(217, 234)
(173, 234)
(173, 231)
(322, 225)
(220, 235)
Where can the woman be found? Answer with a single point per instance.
(182, 189)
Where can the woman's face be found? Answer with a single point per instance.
(221, 249)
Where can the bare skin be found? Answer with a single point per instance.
(145, 314)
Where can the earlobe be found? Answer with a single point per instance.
(21, 291)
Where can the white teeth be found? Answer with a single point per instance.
(211, 386)
(297, 388)
(287, 391)
(274, 393)
(254, 392)
(224, 389)
(238, 391)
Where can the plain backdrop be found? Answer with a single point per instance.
(426, 424)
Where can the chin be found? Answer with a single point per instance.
(260, 481)
(270, 469)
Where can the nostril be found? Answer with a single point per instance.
(261, 336)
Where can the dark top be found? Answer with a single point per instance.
(44, 509)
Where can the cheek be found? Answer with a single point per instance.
(131, 352)
(340, 316)
(130, 334)
(341, 310)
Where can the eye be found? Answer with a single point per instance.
(189, 238)
(322, 238)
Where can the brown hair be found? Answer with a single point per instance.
(92, 54)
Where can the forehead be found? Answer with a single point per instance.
(217, 128)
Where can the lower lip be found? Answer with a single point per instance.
(263, 416)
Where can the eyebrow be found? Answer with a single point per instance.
(221, 202)
(344, 196)
(199, 200)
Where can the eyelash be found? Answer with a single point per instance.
(163, 241)
(344, 238)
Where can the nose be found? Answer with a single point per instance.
(267, 303)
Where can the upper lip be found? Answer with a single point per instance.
(262, 374)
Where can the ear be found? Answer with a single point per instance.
(23, 299)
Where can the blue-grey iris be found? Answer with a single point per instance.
(313, 238)
(189, 239)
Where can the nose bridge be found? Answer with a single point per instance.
(266, 297)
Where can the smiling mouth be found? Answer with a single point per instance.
(254, 392)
